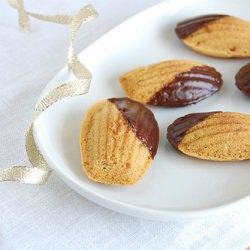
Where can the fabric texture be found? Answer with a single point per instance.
(53, 216)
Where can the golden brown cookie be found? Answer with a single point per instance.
(119, 139)
(242, 79)
(219, 136)
(172, 83)
(216, 35)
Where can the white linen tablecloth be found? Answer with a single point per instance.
(53, 216)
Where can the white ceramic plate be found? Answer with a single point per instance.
(175, 186)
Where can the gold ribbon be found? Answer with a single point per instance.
(39, 171)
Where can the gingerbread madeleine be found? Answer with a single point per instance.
(172, 83)
(119, 140)
(216, 35)
(220, 136)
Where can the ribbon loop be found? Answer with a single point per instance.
(29, 175)
(40, 171)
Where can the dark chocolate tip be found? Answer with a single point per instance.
(177, 130)
(189, 26)
(141, 120)
(243, 79)
(188, 87)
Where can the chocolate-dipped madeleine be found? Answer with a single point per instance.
(172, 83)
(243, 79)
(216, 35)
(220, 136)
(119, 140)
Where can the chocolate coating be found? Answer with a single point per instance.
(243, 79)
(189, 87)
(177, 130)
(187, 27)
(141, 120)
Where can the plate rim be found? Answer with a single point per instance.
(130, 209)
